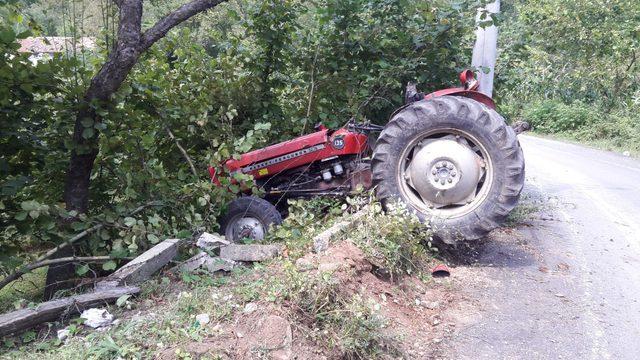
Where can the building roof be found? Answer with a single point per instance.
(55, 44)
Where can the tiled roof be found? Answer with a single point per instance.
(55, 44)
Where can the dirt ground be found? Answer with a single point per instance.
(419, 315)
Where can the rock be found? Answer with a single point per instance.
(238, 252)
(142, 267)
(321, 241)
(250, 307)
(328, 267)
(433, 305)
(626, 153)
(208, 241)
(218, 264)
(305, 264)
(202, 319)
(96, 318)
(63, 334)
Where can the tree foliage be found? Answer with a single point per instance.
(572, 52)
(242, 76)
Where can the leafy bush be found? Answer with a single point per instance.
(553, 116)
(305, 219)
(345, 322)
(242, 76)
(617, 130)
(395, 241)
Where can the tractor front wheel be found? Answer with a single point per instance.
(454, 162)
(249, 217)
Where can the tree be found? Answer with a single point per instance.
(131, 43)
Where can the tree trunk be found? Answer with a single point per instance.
(130, 44)
(103, 85)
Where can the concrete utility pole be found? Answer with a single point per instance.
(485, 50)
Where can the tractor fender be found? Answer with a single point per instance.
(472, 94)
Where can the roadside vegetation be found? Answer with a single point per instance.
(570, 68)
(245, 74)
(341, 310)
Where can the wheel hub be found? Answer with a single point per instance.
(444, 172)
(247, 227)
(444, 175)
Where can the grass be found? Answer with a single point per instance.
(162, 318)
(606, 144)
(26, 290)
(167, 309)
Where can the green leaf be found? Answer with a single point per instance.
(82, 270)
(87, 122)
(21, 215)
(183, 234)
(29, 205)
(7, 35)
(28, 336)
(87, 133)
(153, 238)
(129, 221)
(122, 300)
(118, 253)
(109, 265)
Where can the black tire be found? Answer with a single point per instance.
(250, 206)
(474, 118)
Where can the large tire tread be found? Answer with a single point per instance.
(470, 116)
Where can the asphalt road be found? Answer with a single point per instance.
(567, 283)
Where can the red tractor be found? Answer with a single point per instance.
(448, 156)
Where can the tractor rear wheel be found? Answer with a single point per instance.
(454, 162)
(249, 217)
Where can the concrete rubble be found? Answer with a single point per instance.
(142, 267)
(96, 318)
(208, 241)
(251, 253)
(321, 241)
(202, 319)
(230, 254)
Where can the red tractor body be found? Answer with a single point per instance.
(278, 158)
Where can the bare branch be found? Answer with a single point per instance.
(184, 12)
(23, 270)
(183, 151)
(36, 265)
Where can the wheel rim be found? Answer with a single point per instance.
(445, 172)
(245, 227)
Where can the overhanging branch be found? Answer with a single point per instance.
(183, 13)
